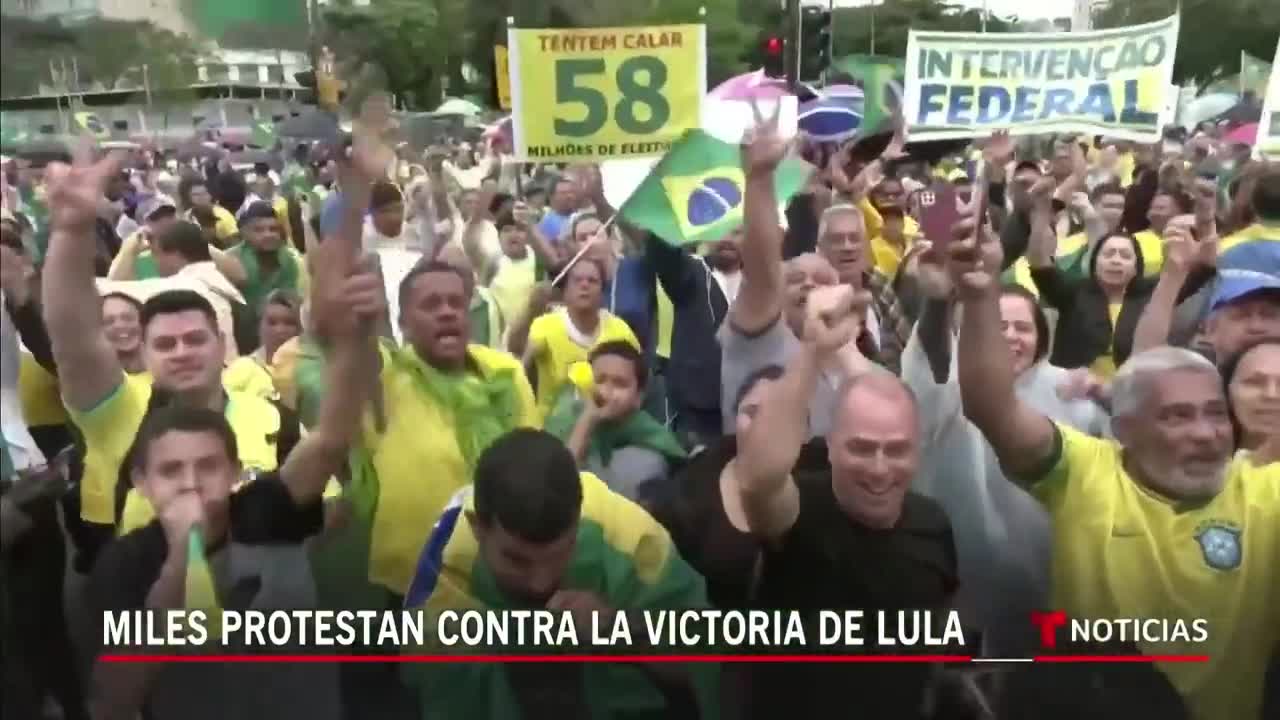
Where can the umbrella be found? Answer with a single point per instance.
(1243, 135)
(1242, 113)
(1207, 107)
(458, 106)
(310, 125)
(833, 116)
(750, 86)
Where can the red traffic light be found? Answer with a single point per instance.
(773, 45)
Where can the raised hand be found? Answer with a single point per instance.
(763, 148)
(1042, 192)
(371, 155)
(75, 191)
(974, 259)
(834, 316)
(182, 513)
(1180, 247)
(351, 307)
(999, 149)
(931, 272)
(897, 147)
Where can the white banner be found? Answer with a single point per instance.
(1269, 126)
(1108, 82)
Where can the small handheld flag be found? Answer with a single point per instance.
(199, 592)
(696, 192)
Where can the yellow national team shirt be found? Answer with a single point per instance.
(1104, 366)
(109, 429)
(666, 322)
(245, 374)
(41, 397)
(1121, 551)
(556, 345)
(418, 463)
(886, 256)
(1152, 247)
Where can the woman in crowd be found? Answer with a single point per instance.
(1096, 316)
(281, 321)
(557, 339)
(1252, 380)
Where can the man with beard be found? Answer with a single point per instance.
(1159, 523)
(535, 533)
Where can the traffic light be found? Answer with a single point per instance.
(815, 42)
(773, 51)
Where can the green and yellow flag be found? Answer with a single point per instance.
(881, 79)
(92, 125)
(199, 592)
(695, 193)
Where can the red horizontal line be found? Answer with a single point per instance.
(1122, 658)
(127, 658)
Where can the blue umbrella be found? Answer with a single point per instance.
(833, 116)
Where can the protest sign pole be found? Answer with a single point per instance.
(792, 46)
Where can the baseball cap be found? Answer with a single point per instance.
(1235, 283)
(153, 205)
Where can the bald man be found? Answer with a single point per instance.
(848, 537)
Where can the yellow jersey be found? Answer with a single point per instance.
(417, 460)
(40, 394)
(556, 346)
(1152, 247)
(109, 429)
(245, 374)
(1121, 551)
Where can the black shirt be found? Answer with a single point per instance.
(829, 562)
(261, 512)
(261, 564)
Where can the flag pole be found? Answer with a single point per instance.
(602, 232)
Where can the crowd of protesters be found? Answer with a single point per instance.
(1069, 400)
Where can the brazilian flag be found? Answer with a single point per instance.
(695, 193)
(92, 125)
(881, 78)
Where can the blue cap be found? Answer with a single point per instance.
(1235, 283)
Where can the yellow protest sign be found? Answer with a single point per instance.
(503, 76)
(605, 92)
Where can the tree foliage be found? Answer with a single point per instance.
(404, 40)
(853, 27)
(421, 46)
(96, 54)
(1211, 35)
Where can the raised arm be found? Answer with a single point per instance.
(1182, 252)
(771, 444)
(1023, 439)
(759, 300)
(472, 233)
(72, 307)
(346, 317)
(122, 265)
